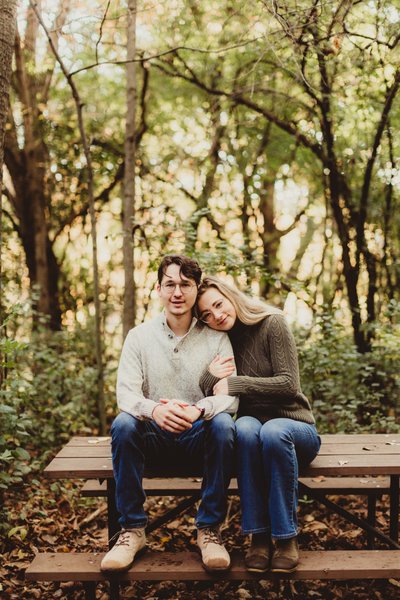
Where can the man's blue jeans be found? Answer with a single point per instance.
(206, 448)
(268, 458)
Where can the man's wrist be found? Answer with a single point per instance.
(154, 410)
(202, 411)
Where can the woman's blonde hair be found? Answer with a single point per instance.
(249, 311)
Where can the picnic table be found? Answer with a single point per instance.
(347, 463)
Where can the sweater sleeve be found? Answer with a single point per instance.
(213, 405)
(278, 342)
(207, 382)
(130, 397)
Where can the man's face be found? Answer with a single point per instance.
(177, 292)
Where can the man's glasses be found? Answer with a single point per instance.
(185, 286)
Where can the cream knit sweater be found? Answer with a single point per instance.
(156, 364)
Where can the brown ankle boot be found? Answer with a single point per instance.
(258, 556)
(286, 556)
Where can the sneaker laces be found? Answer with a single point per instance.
(212, 536)
(123, 537)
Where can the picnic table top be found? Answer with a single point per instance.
(340, 454)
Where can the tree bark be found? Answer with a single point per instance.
(27, 165)
(129, 310)
(8, 12)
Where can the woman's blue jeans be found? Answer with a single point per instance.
(206, 448)
(268, 459)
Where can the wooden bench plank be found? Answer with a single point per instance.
(186, 566)
(349, 438)
(176, 486)
(368, 464)
(104, 451)
(348, 485)
(327, 438)
(160, 486)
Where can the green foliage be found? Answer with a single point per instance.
(350, 391)
(15, 424)
(61, 375)
(48, 393)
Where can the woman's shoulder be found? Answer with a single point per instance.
(274, 319)
(275, 325)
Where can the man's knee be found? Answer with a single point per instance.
(124, 426)
(222, 428)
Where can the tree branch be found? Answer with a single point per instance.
(238, 98)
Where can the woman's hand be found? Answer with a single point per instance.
(221, 387)
(222, 367)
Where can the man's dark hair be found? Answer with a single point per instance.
(187, 266)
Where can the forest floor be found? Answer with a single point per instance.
(51, 516)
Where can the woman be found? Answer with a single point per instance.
(275, 427)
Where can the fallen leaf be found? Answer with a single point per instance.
(50, 539)
(342, 462)
(308, 518)
(173, 524)
(394, 582)
(352, 534)
(244, 594)
(315, 526)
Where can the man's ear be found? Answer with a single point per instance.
(158, 288)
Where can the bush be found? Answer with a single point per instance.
(15, 425)
(350, 391)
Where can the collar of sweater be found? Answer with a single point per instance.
(162, 318)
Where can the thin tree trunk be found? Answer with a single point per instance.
(129, 310)
(89, 168)
(8, 12)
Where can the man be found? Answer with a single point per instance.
(166, 421)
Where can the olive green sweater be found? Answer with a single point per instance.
(267, 381)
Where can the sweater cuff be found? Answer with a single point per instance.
(147, 409)
(207, 405)
(235, 386)
(207, 382)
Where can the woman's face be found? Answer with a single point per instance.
(216, 310)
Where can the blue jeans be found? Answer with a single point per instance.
(268, 457)
(206, 448)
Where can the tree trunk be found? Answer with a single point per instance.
(27, 166)
(129, 311)
(8, 11)
(270, 235)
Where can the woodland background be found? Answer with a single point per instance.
(260, 137)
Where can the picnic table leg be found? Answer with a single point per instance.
(113, 528)
(113, 525)
(394, 507)
(371, 518)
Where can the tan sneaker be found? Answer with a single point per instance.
(286, 556)
(213, 552)
(121, 556)
(258, 556)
